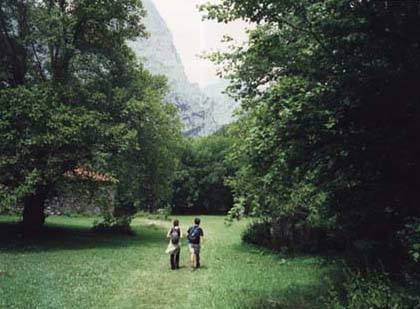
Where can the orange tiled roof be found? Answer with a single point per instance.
(90, 174)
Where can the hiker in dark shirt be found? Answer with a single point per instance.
(195, 237)
(174, 248)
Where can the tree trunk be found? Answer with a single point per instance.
(33, 212)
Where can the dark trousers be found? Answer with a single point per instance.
(175, 260)
(197, 256)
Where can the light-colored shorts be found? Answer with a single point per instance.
(194, 248)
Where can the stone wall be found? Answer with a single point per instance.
(71, 205)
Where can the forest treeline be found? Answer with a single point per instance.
(324, 149)
(326, 139)
(325, 145)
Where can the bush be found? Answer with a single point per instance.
(160, 214)
(285, 235)
(163, 213)
(115, 219)
(119, 225)
(258, 233)
(410, 238)
(358, 290)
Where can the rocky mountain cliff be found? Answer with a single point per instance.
(224, 105)
(202, 112)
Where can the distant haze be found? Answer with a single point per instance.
(192, 37)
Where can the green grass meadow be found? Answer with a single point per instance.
(71, 267)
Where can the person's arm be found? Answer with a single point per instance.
(180, 233)
(169, 233)
(201, 236)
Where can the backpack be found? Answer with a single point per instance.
(194, 235)
(175, 236)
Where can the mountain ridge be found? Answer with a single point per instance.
(197, 109)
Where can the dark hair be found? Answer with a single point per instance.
(176, 222)
(197, 221)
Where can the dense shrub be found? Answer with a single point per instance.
(116, 217)
(160, 214)
(163, 213)
(118, 225)
(369, 290)
(199, 186)
(258, 233)
(410, 237)
(284, 234)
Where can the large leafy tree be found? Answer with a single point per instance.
(44, 40)
(147, 163)
(330, 113)
(64, 68)
(199, 186)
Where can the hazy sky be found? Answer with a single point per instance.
(192, 36)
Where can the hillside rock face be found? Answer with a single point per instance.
(199, 110)
(223, 105)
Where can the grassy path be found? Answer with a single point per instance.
(70, 267)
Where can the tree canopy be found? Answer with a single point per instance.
(72, 94)
(330, 114)
(199, 185)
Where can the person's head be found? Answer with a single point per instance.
(176, 222)
(197, 221)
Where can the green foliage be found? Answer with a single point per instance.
(152, 137)
(114, 224)
(410, 237)
(42, 139)
(369, 290)
(267, 180)
(72, 95)
(44, 40)
(164, 213)
(199, 186)
(160, 214)
(258, 233)
(329, 111)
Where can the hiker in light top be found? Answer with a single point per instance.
(195, 236)
(174, 248)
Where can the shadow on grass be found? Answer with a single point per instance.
(295, 296)
(322, 258)
(54, 236)
(299, 292)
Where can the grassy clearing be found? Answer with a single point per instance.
(70, 267)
